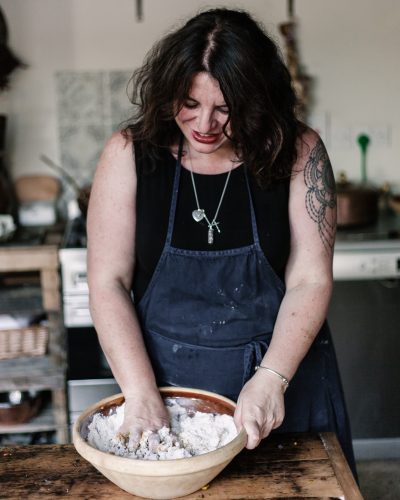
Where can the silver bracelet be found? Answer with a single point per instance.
(284, 379)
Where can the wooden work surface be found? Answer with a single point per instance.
(283, 466)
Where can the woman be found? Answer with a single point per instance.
(222, 224)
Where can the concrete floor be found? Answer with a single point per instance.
(379, 479)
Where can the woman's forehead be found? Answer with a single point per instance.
(203, 83)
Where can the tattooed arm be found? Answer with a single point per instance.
(312, 215)
(320, 199)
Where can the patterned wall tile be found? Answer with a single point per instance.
(120, 106)
(90, 106)
(80, 97)
(81, 147)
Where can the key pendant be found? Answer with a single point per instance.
(210, 238)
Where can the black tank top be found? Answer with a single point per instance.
(154, 191)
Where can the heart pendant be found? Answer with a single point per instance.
(198, 214)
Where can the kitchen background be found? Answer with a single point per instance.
(80, 54)
(73, 93)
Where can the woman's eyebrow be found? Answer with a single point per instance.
(222, 105)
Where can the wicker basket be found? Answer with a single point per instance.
(19, 342)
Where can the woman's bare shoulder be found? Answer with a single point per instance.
(119, 144)
(117, 160)
(115, 176)
(308, 142)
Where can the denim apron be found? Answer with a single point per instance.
(207, 318)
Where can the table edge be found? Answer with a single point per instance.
(340, 466)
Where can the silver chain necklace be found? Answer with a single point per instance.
(199, 214)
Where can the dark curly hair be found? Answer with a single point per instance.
(256, 85)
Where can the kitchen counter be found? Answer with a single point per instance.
(289, 466)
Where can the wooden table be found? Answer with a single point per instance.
(284, 466)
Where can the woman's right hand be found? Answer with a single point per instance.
(144, 411)
(260, 407)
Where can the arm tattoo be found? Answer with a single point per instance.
(321, 195)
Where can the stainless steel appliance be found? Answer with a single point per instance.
(364, 316)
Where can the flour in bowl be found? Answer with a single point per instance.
(191, 433)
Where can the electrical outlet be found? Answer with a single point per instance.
(342, 137)
(345, 137)
(380, 135)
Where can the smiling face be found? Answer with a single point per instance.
(203, 116)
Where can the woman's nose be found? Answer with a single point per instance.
(205, 121)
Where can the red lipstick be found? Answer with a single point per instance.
(205, 139)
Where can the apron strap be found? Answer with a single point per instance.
(174, 199)
(256, 238)
(253, 355)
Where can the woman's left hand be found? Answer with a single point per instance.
(260, 407)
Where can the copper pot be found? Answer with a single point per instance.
(18, 407)
(357, 203)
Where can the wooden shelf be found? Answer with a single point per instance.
(42, 372)
(41, 423)
(28, 258)
(43, 259)
(31, 373)
(25, 300)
